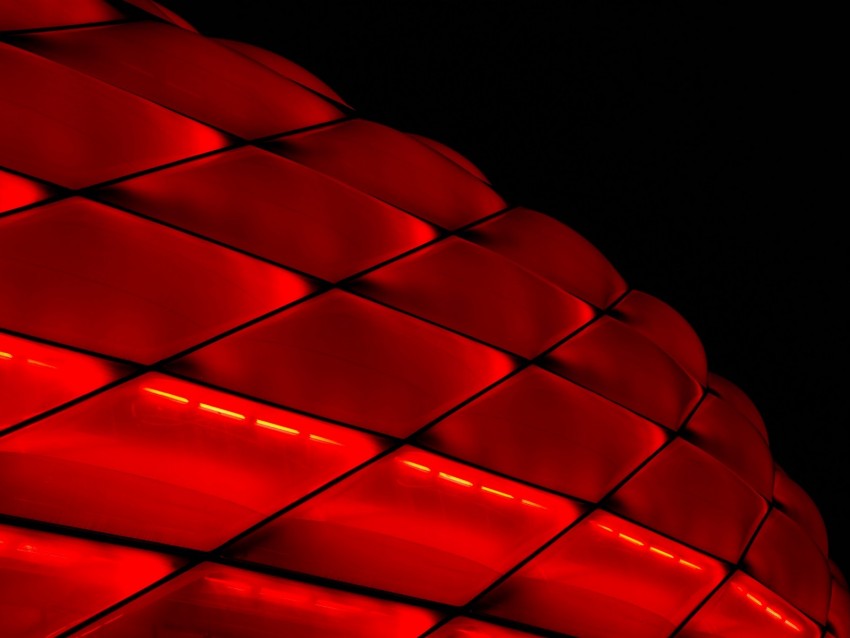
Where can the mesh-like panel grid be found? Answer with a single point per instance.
(268, 369)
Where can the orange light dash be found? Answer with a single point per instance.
(417, 466)
(278, 428)
(167, 395)
(455, 479)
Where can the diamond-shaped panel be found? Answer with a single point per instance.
(115, 284)
(416, 524)
(351, 360)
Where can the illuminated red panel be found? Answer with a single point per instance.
(395, 168)
(786, 559)
(451, 154)
(836, 574)
(35, 377)
(348, 359)
(113, 283)
(205, 80)
(554, 251)
(41, 14)
(73, 130)
(214, 600)
(839, 610)
(793, 501)
(610, 358)
(743, 608)
(713, 509)
(728, 391)
(282, 66)
(477, 292)
(50, 582)
(169, 461)
(17, 191)
(275, 208)
(607, 578)
(722, 431)
(416, 524)
(543, 429)
(658, 322)
(156, 9)
(469, 628)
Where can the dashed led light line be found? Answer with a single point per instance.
(655, 550)
(8, 356)
(451, 478)
(238, 416)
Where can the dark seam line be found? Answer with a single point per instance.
(97, 197)
(125, 601)
(66, 27)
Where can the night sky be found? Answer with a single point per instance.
(696, 149)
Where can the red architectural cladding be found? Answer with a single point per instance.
(269, 369)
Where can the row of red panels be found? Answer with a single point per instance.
(605, 578)
(166, 460)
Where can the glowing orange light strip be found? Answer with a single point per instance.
(490, 490)
(455, 479)
(631, 540)
(167, 395)
(279, 428)
(321, 439)
(768, 610)
(5, 355)
(40, 364)
(206, 407)
(532, 504)
(417, 466)
(655, 550)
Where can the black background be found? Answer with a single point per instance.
(695, 148)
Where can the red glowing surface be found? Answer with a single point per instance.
(786, 559)
(839, 609)
(51, 582)
(743, 608)
(207, 81)
(119, 285)
(719, 429)
(799, 507)
(470, 628)
(451, 154)
(553, 251)
(416, 524)
(213, 600)
(35, 377)
(282, 66)
(474, 291)
(617, 362)
(385, 371)
(17, 191)
(665, 327)
(713, 509)
(607, 578)
(395, 168)
(731, 393)
(546, 430)
(166, 460)
(40, 14)
(89, 131)
(241, 325)
(292, 214)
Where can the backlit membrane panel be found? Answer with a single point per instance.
(270, 369)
